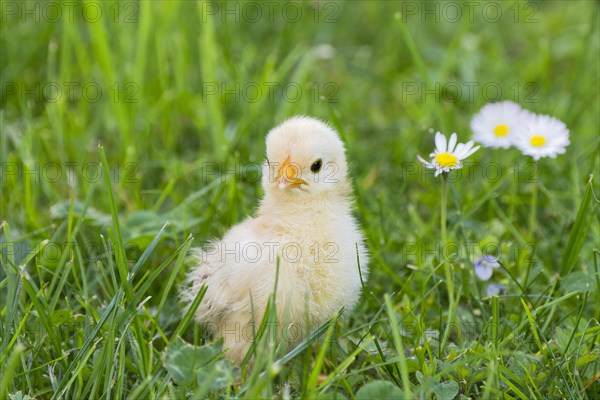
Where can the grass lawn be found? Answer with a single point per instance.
(132, 131)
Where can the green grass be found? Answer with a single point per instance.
(93, 252)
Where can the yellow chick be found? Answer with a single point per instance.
(304, 223)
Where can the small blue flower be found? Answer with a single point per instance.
(483, 267)
(494, 289)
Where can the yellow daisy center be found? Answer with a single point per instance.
(501, 130)
(537, 141)
(446, 160)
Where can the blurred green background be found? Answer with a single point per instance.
(141, 79)
(181, 94)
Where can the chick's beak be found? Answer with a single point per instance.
(287, 175)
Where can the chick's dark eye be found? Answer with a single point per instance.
(316, 166)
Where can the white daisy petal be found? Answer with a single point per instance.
(440, 142)
(464, 150)
(452, 143)
(470, 151)
(473, 150)
(459, 149)
(425, 163)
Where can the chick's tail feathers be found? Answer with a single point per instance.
(199, 276)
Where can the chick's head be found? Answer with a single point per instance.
(305, 157)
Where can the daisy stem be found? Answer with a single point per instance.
(533, 209)
(447, 267)
(532, 219)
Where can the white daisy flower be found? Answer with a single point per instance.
(542, 136)
(496, 124)
(446, 156)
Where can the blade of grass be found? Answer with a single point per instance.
(532, 325)
(399, 347)
(83, 353)
(16, 334)
(12, 275)
(579, 231)
(11, 367)
(141, 292)
(318, 364)
(208, 67)
(118, 241)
